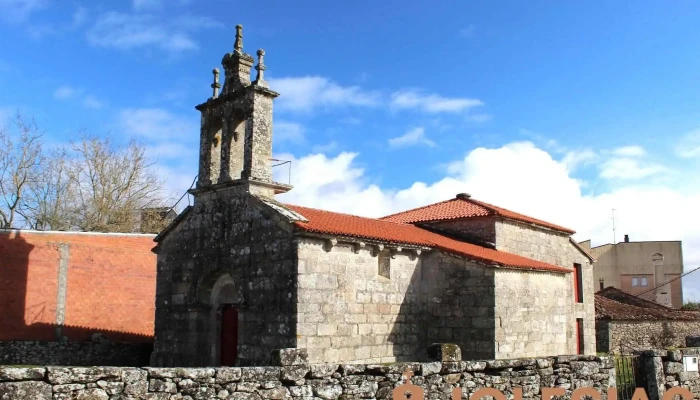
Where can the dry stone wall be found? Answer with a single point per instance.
(661, 370)
(75, 354)
(627, 336)
(303, 381)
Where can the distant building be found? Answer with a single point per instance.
(154, 219)
(626, 323)
(639, 267)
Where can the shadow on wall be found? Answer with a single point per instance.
(22, 320)
(448, 300)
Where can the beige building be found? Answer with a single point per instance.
(241, 275)
(639, 267)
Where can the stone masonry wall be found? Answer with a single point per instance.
(75, 354)
(322, 381)
(483, 228)
(662, 370)
(627, 336)
(229, 249)
(555, 248)
(349, 313)
(531, 313)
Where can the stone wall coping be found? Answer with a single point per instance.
(307, 381)
(10, 372)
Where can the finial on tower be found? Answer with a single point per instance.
(216, 85)
(238, 44)
(259, 78)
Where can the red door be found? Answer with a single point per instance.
(579, 335)
(229, 336)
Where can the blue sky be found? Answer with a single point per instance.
(562, 110)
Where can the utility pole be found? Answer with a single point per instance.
(613, 220)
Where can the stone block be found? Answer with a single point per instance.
(21, 374)
(290, 356)
(25, 390)
(444, 352)
(226, 375)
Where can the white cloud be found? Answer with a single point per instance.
(575, 158)
(156, 124)
(413, 137)
(64, 92)
(689, 145)
(431, 103)
(329, 147)
(20, 10)
(628, 168)
(288, 132)
(129, 31)
(309, 92)
(67, 92)
(92, 102)
(518, 176)
(630, 151)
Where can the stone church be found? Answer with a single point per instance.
(241, 275)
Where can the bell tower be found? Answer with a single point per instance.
(236, 128)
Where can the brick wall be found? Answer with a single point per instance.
(75, 284)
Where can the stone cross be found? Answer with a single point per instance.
(216, 85)
(260, 67)
(238, 44)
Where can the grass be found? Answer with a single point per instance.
(624, 371)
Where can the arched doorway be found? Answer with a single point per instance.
(223, 298)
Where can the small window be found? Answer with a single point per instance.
(578, 283)
(643, 282)
(635, 282)
(384, 263)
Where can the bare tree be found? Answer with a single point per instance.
(50, 201)
(20, 166)
(91, 185)
(113, 185)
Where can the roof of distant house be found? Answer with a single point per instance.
(333, 223)
(621, 296)
(615, 304)
(464, 207)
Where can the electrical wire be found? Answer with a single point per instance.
(183, 196)
(674, 279)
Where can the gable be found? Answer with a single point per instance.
(463, 207)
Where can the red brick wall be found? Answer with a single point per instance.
(110, 286)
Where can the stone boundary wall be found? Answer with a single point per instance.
(304, 381)
(663, 370)
(642, 335)
(75, 354)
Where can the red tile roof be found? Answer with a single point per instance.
(333, 223)
(461, 208)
